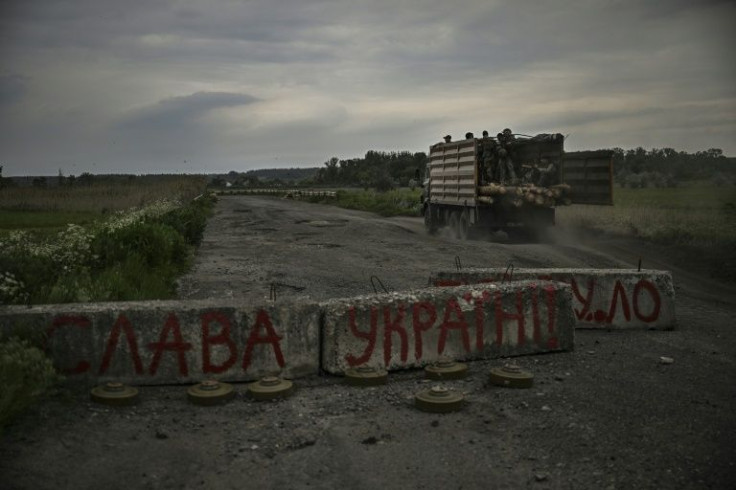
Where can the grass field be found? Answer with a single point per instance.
(103, 196)
(44, 221)
(697, 214)
(109, 241)
(397, 202)
(696, 223)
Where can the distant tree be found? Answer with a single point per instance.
(86, 179)
(39, 182)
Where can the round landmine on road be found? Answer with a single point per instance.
(270, 387)
(210, 392)
(366, 376)
(114, 393)
(439, 399)
(511, 376)
(446, 368)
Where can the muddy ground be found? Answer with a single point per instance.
(608, 415)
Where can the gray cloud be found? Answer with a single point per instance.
(12, 88)
(102, 81)
(178, 112)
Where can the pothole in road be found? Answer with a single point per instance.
(322, 223)
(323, 245)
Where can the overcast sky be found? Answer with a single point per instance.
(139, 86)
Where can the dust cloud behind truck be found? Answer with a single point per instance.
(510, 182)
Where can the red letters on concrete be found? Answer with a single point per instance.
(223, 338)
(452, 307)
(480, 317)
(502, 315)
(112, 342)
(653, 294)
(550, 292)
(75, 320)
(454, 318)
(420, 326)
(178, 346)
(620, 300)
(397, 325)
(370, 336)
(263, 320)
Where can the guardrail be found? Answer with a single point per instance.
(287, 193)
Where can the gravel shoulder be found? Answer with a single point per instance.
(607, 415)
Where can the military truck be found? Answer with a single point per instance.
(510, 182)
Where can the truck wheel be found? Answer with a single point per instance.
(430, 220)
(453, 223)
(463, 229)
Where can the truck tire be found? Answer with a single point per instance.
(458, 223)
(430, 219)
(453, 223)
(463, 229)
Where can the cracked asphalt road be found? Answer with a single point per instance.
(608, 415)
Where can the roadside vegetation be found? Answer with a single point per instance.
(26, 375)
(79, 244)
(397, 202)
(112, 240)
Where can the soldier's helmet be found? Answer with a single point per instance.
(468, 136)
(507, 131)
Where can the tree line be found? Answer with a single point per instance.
(665, 167)
(658, 167)
(378, 169)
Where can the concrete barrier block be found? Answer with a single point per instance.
(602, 298)
(412, 329)
(162, 342)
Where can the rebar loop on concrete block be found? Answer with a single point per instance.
(506, 275)
(375, 290)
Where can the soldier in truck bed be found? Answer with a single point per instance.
(487, 158)
(506, 171)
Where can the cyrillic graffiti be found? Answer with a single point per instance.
(216, 330)
(463, 320)
(643, 301)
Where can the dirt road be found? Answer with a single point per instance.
(608, 415)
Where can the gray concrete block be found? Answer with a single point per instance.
(162, 342)
(412, 329)
(602, 298)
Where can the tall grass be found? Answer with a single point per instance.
(103, 196)
(398, 202)
(697, 215)
(130, 255)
